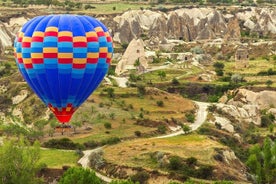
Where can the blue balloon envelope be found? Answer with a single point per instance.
(63, 58)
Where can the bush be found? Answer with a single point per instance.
(88, 6)
(175, 163)
(160, 103)
(63, 143)
(138, 133)
(107, 125)
(78, 175)
(175, 81)
(111, 140)
(204, 172)
(141, 177)
(91, 144)
(190, 117)
(191, 161)
(162, 129)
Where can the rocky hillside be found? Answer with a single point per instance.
(188, 24)
(191, 24)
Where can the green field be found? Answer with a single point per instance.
(54, 158)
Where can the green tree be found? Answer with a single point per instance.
(19, 162)
(219, 66)
(141, 89)
(122, 182)
(110, 92)
(162, 74)
(76, 124)
(262, 162)
(269, 83)
(175, 81)
(78, 175)
(137, 63)
(186, 128)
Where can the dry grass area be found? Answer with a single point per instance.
(135, 153)
(255, 66)
(97, 110)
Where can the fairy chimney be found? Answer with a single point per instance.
(241, 57)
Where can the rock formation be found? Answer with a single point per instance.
(134, 52)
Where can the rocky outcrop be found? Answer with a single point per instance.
(245, 106)
(134, 53)
(194, 24)
(258, 20)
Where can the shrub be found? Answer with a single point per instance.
(190, 117)
(138, 133)
(111, 140)
(141, 177)
(175, 81)
(63, 143)
(96, 159)
(88, 6)
(160, 103)
(175, 163)
(162, 129)
(204, 172)
(191, 161)
(91, 144)
(107, 125)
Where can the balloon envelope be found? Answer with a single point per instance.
(63, 58)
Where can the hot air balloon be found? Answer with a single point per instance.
(63, 58)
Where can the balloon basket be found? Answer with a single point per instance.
(63, 129)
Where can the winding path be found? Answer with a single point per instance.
(199, 120)
(201, 116)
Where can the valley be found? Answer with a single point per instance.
(189, 96)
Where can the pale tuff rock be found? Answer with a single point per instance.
(229, 156)
(224, 123)
(135, 51)
(19, 98)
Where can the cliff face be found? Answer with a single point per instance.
(188, 24)
(194, 24)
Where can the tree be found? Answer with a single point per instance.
(175, 81)
(79, 175)
(137, 63)
(141, 89)
(162, 74)
(262, 163)
(236, 78)
(110, 92)
(269, 83)
(19, 162)
(75, 125)
(186, 128)
(218, 68)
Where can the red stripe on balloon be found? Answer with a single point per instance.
(26, 44)
(92, 60)
(80, 44)
(100, 33)
(109, 39)
(19, 39)
(65, 39)
(20, 60)
(51, 33)
(92, 39)
(28, 66)
(65, 60)
(102, 55)
(78, 66)
(108, 60)
(37, 60)
(37, 39)
(50, 55)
